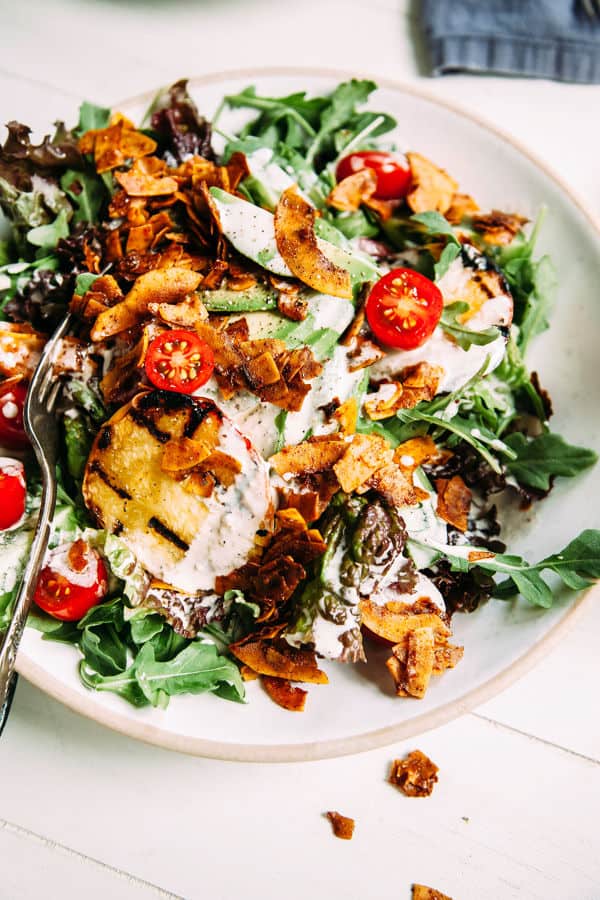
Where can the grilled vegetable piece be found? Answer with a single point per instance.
(365, 542)
(163, 514)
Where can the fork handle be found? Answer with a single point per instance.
(14, 632)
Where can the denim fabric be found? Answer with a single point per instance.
(537, 38)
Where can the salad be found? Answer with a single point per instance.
(293, 397)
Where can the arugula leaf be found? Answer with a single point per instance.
(47, 236)
(434, 224)
(341, 106)
(196, 669)
(541, 457)
(86, 192)
(92, 116)
(532, 283)
(578, 566)
(78, 442)
(447, 257)
(103, 650)
(280, 421)
(84, 281)
(464, 337)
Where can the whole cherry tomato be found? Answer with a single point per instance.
(74, 580)
(179, 361)
(404, 308)
(12, 492)
(392, 172)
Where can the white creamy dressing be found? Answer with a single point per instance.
(58, 560)
(423, 524)
(263, 168)
(440, 350)
(235, 514)
(256, 418)
(424, 587)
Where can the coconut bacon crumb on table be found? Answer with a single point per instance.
(342, 826)
(415, 775)
(422, 892)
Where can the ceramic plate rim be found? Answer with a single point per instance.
(313, 750)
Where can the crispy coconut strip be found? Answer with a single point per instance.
(421, 654)
(157, 286)
(297, 243)
(462, 206)
(498, 227)
(182, 454)
(393, 485)
(432, 187)
(347, 416)
(351, 192)
(366, 454)
(394, 622)
(308, 457)
(342, 826)
(114, 145)
(284, 694)
(280, 662)
(422, 892)
(385, 402)
(454, 501)
(415, 775)
(419, 383)
(416, 451)
(147, 178)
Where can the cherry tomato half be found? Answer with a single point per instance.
(74, 580)
(12, 401)
(403, 309)
(393, 172)
(12, 492)
(179, 361)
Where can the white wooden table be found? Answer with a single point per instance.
(85, 812)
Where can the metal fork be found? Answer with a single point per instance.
(591, 8)
(42, 430)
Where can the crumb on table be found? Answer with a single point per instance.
(343, 827)
(415, 775)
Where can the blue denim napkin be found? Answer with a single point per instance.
(537, 38)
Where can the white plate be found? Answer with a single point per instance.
(357, 710)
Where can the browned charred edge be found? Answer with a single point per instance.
(145, 422)
(168, 535)
(99, 471)
(196, 409)
(105, 438)
(118, 529)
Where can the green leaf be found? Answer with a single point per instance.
(341, 106)
(447, 257)
(87, 193)
(548, 454)
(104, 650)
(48, 236)
(145, 625)
(84, 281)
(78, 442)
(196, 669)
(435, 224)
(280, 422)
(92, 116)
(464, 337)
(578, 565)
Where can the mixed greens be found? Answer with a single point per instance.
(64, 215)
